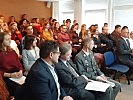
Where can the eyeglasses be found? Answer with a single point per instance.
(57, 52)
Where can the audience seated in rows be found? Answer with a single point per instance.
(42, 82)
(65, 34)
(74, 83)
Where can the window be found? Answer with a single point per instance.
(95, 4)
(66, 10)
(95, 12)
(123, 2)
(123, 12)
(95, 17)
(66, 15)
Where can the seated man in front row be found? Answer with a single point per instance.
(73, 83)
(87, 66)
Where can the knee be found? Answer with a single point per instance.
(117, 86)
(109, 90)
(87, 95)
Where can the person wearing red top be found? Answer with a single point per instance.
(36, 23)
(10, 66)
(63, 36)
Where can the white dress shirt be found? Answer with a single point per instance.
(131, 43)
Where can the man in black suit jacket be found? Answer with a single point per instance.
(125, 53)
(73, 84)
(42, 81)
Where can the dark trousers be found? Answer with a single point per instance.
(11, 85)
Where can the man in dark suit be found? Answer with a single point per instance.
(73, 83)
(125, 53)
(87, 66)
(42, 81)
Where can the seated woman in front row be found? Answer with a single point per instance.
(10, 65)
(30, 53)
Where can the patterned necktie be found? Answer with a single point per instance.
(72, 69)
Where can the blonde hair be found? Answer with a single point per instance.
(84, 32)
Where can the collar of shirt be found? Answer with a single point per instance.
(86, 53)
(49, 66)
(64, 61)
(124, 38)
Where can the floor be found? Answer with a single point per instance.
(127, 91)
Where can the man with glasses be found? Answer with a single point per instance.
(42, 81)
(63, 36)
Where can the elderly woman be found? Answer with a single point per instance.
(9, 61)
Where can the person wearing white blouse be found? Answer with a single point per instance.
(30, 53)
(131, 40)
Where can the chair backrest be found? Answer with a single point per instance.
(109, 58)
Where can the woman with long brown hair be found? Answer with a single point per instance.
(56, 30)
(30, 52)
(10, 66)
(83, 33)
(73, 35)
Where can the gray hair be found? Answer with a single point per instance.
(86, 41)
(64, 48)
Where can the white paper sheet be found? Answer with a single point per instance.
(97, 86)
(20, 80)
